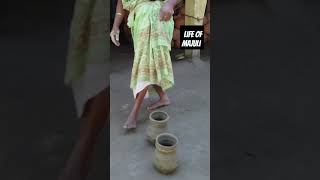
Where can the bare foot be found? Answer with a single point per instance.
(131, 123)
(161, 103)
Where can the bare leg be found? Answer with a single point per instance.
(163, 101)
(92, 122)
(133, 116)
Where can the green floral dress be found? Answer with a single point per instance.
(152, 45)
(87, 63)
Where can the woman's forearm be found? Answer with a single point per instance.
(119, 14)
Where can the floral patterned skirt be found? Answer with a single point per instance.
(152, 45)
(87, 63)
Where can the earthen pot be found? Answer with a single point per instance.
(165, 155)
(157, 124)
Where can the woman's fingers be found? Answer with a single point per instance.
(114, 40)
(115, 37)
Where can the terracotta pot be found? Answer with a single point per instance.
(165, 155)
(157, 124)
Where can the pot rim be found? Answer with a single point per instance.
(153, 120)
(167, 148)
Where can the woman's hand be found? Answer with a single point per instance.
(166, 11)
(114, 34)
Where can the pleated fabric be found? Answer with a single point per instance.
(152, 45)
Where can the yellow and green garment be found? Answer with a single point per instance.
(152, 45)
(87, 59)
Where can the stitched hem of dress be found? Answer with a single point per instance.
(94, 80)
(139, 87)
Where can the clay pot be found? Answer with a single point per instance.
(165, 155)
(157, 124)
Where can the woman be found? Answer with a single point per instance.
(151, 27)
(87, 74)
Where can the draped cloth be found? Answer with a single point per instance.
(152, 45)
(87, 63)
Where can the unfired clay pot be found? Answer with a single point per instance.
(165, 155)
(157, 125)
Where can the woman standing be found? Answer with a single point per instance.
(151, 25)
(87, 75)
